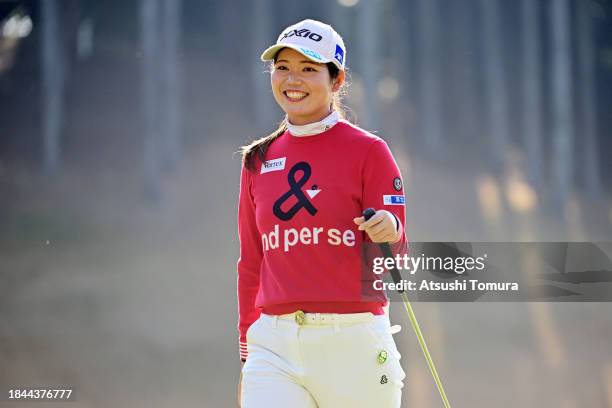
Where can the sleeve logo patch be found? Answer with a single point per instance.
(273, 165)
(394, 200)
(397, 183)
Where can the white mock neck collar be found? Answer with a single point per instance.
(314, 128)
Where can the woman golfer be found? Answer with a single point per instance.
(309, 335)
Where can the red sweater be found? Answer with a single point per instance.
(299, 246)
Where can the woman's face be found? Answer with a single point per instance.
(302, 88)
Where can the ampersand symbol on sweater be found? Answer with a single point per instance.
(295, 189)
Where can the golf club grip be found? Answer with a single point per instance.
(386, 250)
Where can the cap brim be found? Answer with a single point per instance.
(270, 53)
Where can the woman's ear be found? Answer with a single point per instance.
(338, 81)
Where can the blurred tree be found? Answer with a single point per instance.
(262, 36)
(561, 101)
(171, 81)
(149, 25)
(429, 74)
(368, 21)
(465, 101)
(496, 93)
(532, 128)
(53, 83)
(589, 162)
(160, 35)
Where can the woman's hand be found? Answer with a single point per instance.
(381, 227)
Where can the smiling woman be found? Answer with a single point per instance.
(309, 336)
(303, 88)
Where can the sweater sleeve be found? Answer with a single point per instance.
(383, 189)
(249, 263)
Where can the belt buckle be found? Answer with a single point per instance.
(300, 317)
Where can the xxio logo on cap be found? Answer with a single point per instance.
(304, 32)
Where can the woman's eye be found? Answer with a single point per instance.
(310, 69)
(281, 68)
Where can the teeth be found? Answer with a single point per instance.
(295, 94)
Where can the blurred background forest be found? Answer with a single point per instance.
(119, 123)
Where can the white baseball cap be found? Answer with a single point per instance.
(317, 41)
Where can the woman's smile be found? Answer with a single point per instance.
(295, 96)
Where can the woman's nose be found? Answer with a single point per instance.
(293, 78)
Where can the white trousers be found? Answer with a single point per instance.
(328, 361)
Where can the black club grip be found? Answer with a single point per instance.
(385, 249)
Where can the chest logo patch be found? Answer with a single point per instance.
(273, 165)
(295, 190)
